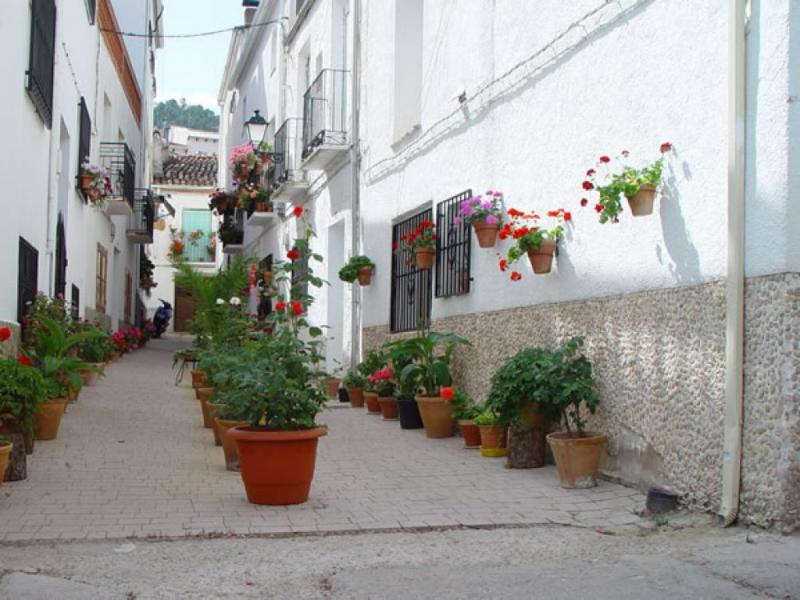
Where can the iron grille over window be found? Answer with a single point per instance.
(84, 139)
(27, 278)
(42, 58)
(141, 227)
(75, 299)
(299, 273)
(411, 287)
(91, 7)
(287, 151)
(324, 120)
(453, 249)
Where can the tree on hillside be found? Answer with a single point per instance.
(173, 112)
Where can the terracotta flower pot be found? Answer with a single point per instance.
(277, 466)
(542, 257)
(86, 181)
(388, 407)
(356, 396)
(332, 384)
(492, 436)
(365, 275)
(373, 407)
(5, 454)
(470, 433)
(424, 257)
(642, 203)
(112, 356)
(47, 418)
(213, 411)
(199, 379)
(486, 233)
(261, 207)
(437, 416)
(577, 458)
(228, 444)
(72, 395)
(204, 394)
(87, 377)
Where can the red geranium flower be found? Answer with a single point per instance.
(395, 245)
(568, 216)
(584, 201)
(503, 264)
(5, 333)
(505, 231)
(521, 232)
(665, 147)
(516, 275)
(513, 212)
(590, 173)
(554, 213)
(293, 254)
(588, 185)
(599, 207)
(297, 308)
(447, 394)
(605, 159)
(280, 306)
(298, 211)
(24, 360)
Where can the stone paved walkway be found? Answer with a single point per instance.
(133, 460)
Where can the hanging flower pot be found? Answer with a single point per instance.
(542, 257)
(365, 275)
(486, 233)
(642, 203)
(424, 257)
(86, 181)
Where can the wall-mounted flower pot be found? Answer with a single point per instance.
(332, 384)
(228, 444)
(388, 407)
(365, 275)
(542, 257)
(486, 233)
(437, 416)
(261, 207)
(47, 418)
(470, 432)
(356, 396)
(493, 439)
(86, 181)
(642, 203)
(577, 458)
(204, 394)
(5, 455)
(277, 466)
(408, 411)
(424, 257)
(373, 407)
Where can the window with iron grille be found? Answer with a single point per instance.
(91, 8)
(453, 250)
(411, 287)
(84, 140)
(101, 280)
(299, 273)
(27, 277)
(42, 58)
(265, 301)
(75, 301)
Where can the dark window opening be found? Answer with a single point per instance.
(453, 250)
(265, 301)
(75, 301)
(84, 141)
(42, 58)
(61, 260)
(27, 278)
(411, 287)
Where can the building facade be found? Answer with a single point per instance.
(77, 91)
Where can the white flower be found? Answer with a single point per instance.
(235, 301)
(220, 301)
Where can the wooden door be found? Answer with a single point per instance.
(184, 309)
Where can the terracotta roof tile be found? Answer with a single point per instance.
(192, 169)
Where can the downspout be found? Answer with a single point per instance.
(734, 287)
(355, 166)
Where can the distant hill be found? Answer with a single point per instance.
(173, 112)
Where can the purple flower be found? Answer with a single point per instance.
(490, 193)
(457, 221)
(467, 211)
(491, 220)
(486, 205)
(498, 194)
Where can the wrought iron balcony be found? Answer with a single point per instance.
(325, 127)
(287, 154)
(118, 159)
(140, 230)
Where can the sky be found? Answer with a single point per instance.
(192, 68)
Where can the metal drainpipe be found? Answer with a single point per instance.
(734, 287)
(355, 166)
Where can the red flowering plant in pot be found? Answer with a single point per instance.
(531, 238)
(385, 384)
(637, 185)
(421, 242)
(485, 214)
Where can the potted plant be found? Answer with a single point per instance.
(530, 238)
(229, 233)
(431, 370)
(22, 391)
(638, 186)
(95, 182)
(358, 267)
(421, 242)
(373, 360)
(93, 350)
(465, 409)
(485, 216)
(219, 201)
(385, 385)
(5, 455)
(354, 383)
(493, 434)
(243, 161)
(403, 353)
(577, 452)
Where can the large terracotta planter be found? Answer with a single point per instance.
(388, 407)
(199, 379)
(332, 384)
(437, 416)
(424, 257)
(228, 444)
(204, 394)
(277, 466)
(213, 411)
(5, 454)
(542, 257)
(486, 234)
(577, 458)
(72, 395)
(365, 275)
(356, 396)
(642, 203)
(373, 407)
(470, 432)
(90, 377)
(47, 418)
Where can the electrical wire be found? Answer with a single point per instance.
(195, 35)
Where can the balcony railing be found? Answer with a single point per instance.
(324, 111)
(118, 159)
(287, 153)
(141, 227)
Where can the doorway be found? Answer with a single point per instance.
(184, 310)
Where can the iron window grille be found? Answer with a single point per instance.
(27, 277)
(287, 152)
(411, 294)
(118, 159)
(324, 104)
(84, 141)
(300, 275)
(453, 249)
(42, 58)
(141, 230)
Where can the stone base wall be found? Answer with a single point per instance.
(659, 358)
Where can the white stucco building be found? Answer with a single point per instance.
(76, 89)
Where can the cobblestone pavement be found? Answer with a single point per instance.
(133, 460)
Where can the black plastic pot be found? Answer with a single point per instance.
(343, 397)
(409, 413)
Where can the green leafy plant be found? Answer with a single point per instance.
(402, 353)
(349, 272)
(373, 360)
(432, 353)
(464, 407)
(354, 380)
(22, 390)
(487, 417)
(384, 382)
(94, 349)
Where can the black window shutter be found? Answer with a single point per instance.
(61, 259)
(27, 278)
(84, 138)
(42, 58)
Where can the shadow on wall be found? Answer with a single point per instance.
(685, 267)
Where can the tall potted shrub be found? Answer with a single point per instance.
(22, 391)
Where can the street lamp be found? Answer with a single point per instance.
(256, 130)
